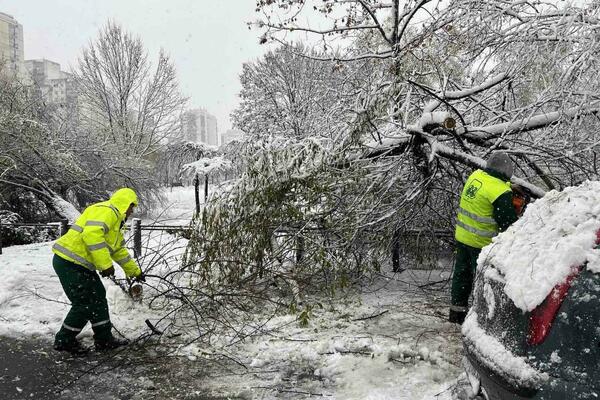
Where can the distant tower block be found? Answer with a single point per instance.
(200, 126)
(12, 52)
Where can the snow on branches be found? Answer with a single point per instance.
(206, 166)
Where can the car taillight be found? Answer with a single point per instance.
(541, 319)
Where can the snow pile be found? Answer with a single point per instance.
(404, 353)
(537, 252)
(490, 299)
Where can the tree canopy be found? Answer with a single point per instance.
(372, 160)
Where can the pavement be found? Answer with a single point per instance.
(31, 369)
(27, 370)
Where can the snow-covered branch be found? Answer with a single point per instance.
(206, 166)
(461, 94)
(528, 123)
(441, 150)
(340, 29)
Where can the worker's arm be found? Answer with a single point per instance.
(123, 258)
(504, 212)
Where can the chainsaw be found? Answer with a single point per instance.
(521, 198)
(132, 287)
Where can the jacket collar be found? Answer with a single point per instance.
(497, 174)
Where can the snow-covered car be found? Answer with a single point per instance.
(533, 330)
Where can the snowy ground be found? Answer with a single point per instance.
(388, 342)
(381, 345)
(180, 206)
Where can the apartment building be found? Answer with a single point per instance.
(53, 85)
(200, 126)
(12, 52)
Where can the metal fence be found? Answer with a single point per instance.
(425, 247)
(136, 228)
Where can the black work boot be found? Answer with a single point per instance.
(457, 317)
(110, 344)
(73, 347)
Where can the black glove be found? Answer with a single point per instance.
(108, 272)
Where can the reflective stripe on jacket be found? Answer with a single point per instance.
(95, 240)
(475, 224)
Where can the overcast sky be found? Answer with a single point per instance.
(207, 39)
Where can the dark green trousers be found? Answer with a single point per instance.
(462, 277)
(88, 302)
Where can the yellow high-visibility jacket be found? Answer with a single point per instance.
(95, 240)
(475, 224)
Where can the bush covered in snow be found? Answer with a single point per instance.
(15, 235)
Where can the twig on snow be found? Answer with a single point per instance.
(291, 391)
(371, 316)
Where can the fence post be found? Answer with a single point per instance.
(205, 188)
(299, 248)
(196, 193)
(136, 225)
(396, 251)
(64, 226)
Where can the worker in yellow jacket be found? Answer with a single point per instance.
(92, 243)
(486, 209)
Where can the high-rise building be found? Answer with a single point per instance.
(48, 81)
(53, 85)
(200, 126)
(12, 52)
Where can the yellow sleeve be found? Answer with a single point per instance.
(122, 257)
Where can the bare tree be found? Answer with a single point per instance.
(129, 110)
(287, 94)
(123, 98)
(35, 170)
(125, 113)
